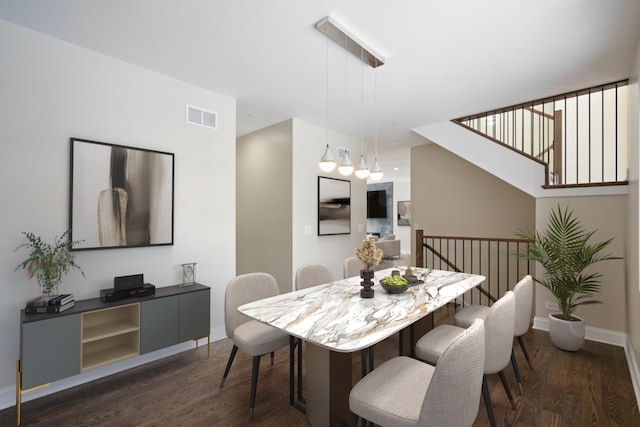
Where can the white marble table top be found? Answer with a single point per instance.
(334, 316)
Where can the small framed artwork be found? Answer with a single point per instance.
(404, 213)
(189, 273)
(120, 196)
(334, 206)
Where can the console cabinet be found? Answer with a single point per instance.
(169, 321)
(93, 333)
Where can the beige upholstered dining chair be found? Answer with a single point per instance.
(253, 337)
(524, 304)
(499, 325)
(306, 276)
(407, 392)
(351, 267)
(311, 275)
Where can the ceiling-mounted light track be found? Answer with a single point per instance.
(336, 32)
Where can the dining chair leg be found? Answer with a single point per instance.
(487, 401)
(254, 385)
(516, 371)
(273, 357)
(234, 350)
(524, 350)
(503, 380)
(353, 419)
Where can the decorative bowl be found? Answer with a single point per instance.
(394, 289)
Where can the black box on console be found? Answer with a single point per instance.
(113, 294)
(123, 283)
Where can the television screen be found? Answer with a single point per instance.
(377, 204)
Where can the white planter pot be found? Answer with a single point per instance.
(566, 334)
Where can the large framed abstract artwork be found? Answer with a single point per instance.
(120, 196)
(404, 212)
(334, 206)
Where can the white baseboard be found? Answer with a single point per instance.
(606, 336)
(8, 394)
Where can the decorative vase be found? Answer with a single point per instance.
(48, 289)
(366, 291)
(566, 334)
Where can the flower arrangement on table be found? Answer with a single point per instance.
(370, 255)
(47, 262)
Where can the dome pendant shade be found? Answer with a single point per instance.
(327, 163)
(376, 171)
(346, 167)
(363, 171)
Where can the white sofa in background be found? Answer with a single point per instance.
(389, 245)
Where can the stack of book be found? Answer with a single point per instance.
(50, 304)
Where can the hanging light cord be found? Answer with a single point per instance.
(362, 101)
(375, 108)
(327, 85)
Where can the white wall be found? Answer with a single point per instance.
(52, 91)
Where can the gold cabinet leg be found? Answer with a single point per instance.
(18, 392)
(208, 345)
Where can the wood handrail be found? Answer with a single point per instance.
(482, 290)
(422, 245)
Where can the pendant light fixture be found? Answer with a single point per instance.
(336, 32)
(376, 171)
(346, 166)
(327, 162)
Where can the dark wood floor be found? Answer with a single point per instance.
(591, 387)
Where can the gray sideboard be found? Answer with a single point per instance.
(94, 333)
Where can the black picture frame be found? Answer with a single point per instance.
(120, 197)
(334, 206)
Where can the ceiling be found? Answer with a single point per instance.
(443, 59)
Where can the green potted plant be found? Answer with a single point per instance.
(565, 252)
(47, 262)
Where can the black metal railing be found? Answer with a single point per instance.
(581, 136)
(493, 258)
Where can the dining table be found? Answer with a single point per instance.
(335, 321)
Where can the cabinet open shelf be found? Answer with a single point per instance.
(108, 330)
(105, 355)
(110, 335)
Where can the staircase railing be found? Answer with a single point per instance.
(581, 136)
(494, 258)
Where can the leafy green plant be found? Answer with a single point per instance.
(565, 252)
(47, 262)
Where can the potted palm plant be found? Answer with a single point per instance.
(48, 262)
(565, 252)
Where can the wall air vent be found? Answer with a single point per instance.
(201, 117)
